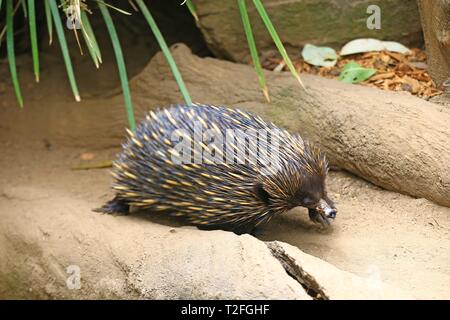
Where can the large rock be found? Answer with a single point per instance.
(47, 246)
(126, 257)
(298, 22)
(323, 280)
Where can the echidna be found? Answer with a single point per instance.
(218, 167)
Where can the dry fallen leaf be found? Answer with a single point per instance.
(381, 76)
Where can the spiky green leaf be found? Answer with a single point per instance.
(48, 16)
(252, 47)
(33, 38)
(10, 50)
(120, 63)
(276, 39)
(165, 49)
(24, 7)
(192, 9)
(90, 40)
(64, 49)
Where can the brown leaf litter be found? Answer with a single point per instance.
(395, 71)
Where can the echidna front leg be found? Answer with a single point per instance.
(116, 205)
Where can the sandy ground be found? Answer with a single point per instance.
(404, 241)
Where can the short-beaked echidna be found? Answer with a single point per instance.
(218, 167)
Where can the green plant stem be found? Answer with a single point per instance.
(273, 33)
(120, 63)
(10, 50)
(166, 51)
(253, 49)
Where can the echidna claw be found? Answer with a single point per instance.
(320, 217)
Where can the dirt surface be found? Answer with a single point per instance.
(402, 240)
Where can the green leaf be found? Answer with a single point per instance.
(113, 7)
(24, 7)
(352, 72)
(91, 41)
(10, 50)
(3, 32)
(166, 51)
(273, 33)
(192, 9)
(120, 64)
(48, 15)
(253, 49)
(319, 56)
(33, 37)
(64, 49)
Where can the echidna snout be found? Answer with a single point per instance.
(330, 213)
(152, 173)
(323, 211)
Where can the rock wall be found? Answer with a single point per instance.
(325, 22)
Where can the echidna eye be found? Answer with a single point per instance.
(308, 201)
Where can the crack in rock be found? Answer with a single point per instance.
(294, 270)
